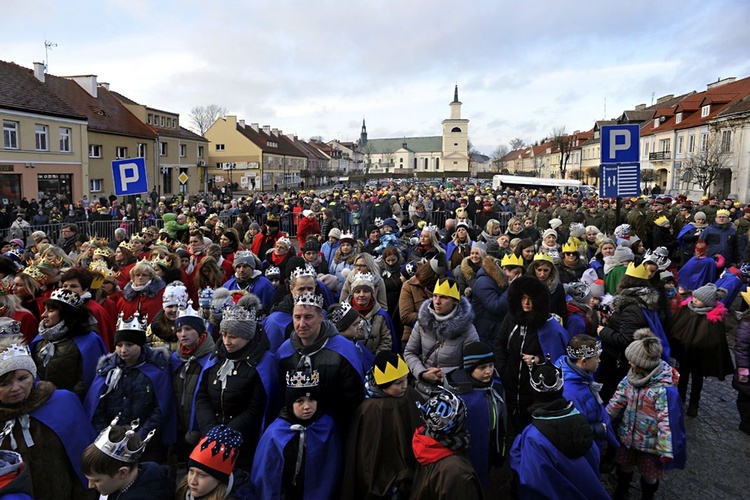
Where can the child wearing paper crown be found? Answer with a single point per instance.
(112, 466)
(210, 473)
(382, 426)
(480, 388)
(134, 382)
(299, 455)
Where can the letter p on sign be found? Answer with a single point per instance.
(130, 176)
(620, 143)
(619, 140)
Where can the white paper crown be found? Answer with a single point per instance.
(67, 297)
(302, 380)
(9, 326)
(378, 222)
(431, 228)
(584, 351)
(235, 313)
(273, 271)
(338, 314)
(15, 350)
(285, 241)
(309, 299)
(347, 236)
(189, 311)
(368, 276)
(304, 272)
(119, 450)
(135, 323)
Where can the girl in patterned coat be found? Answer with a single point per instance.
(646, 413)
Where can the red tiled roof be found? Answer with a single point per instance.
(105, 112)
(21, 91)
(261, 139)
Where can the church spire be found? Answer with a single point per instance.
(363, 134)
(455, 94)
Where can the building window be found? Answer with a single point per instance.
(41, 132)
(95, 185)
(456, 129)
(183, 150)
(142, 150)
(219, 147)
(200, 151)
(121, 152)
(664, 145)
(726, 141)
(705, 110)
(162, 149)
(150, 118)
(10, 135)
(425, 163)
(162, 121)
(95, 151)
(65, 134)
(680, 140)
(656, 122)
(645, 149)
(704, 141)
(691, 144)
(437, 163)
(167, 180)
(678, 118)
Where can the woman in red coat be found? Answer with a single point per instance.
(143, 292)
(308, 225)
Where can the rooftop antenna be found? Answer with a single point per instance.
(605, 109)
(47, 47)
(653, 94)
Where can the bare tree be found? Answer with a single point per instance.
(205, 116)
(496, 160)
(593, 175)
(367, 150)
(705, 165)
(517, 143)
(537, 164)
(564, 144)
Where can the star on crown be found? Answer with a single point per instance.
(310, 300)
(119, 450)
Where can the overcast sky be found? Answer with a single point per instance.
(318, 68)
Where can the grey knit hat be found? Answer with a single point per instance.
(579, 292)
(709, 294)
(645, 351)
(623, 254)
(239, 322)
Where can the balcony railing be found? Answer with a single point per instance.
(660, 155)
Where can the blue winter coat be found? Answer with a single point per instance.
(260, 286)
(721, 239)
(488, 299)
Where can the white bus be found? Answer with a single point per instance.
(519, 181)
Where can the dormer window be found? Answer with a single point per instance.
(705, 110)
(656, 122)
(678, 117)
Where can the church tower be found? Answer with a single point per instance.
(456, 140)
(363, 135)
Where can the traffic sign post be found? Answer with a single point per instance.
(620, 143)
(620, 170)
(130, 176)
(619, 179)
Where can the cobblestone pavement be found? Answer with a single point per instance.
(718, 453)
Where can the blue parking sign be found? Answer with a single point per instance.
(620, 143)
(130, 176)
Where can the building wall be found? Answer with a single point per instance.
(100, 168)
(27, 163)
(238, 149)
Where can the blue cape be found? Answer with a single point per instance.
(322, 459)
(478, 425)
(395, 339)
(696, 273)
(337, 343)
(261, 287)
(91, 348)
(206, 361)
(733, 284)
(275, 325)
(161, 382)
(677, 427)
(268, 370)
(74, 430)
(652, 318)
(553, 338)
(544, 472)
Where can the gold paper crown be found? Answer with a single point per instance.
(135, 238)
(6, 287)
(105, 251)
(544, 257)
(302, 380)
(569, 247)
(389, 372)
(512, 260)
(272, 218)
(119, 450)
(637, 271)
(663, 219)
(135, 323)
(127, 246)
(40, 277)
(446, 287)
(147, 262)
(720, 212)
(161, 261)
(310, 300)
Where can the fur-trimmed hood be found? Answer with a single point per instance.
(158, 356)
(466, 270)
(641, 296)
(157, 284)
(451, 328)
(540, 297)
(491, 267)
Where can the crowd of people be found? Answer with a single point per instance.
(397, 342)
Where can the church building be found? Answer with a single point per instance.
(434, 156)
